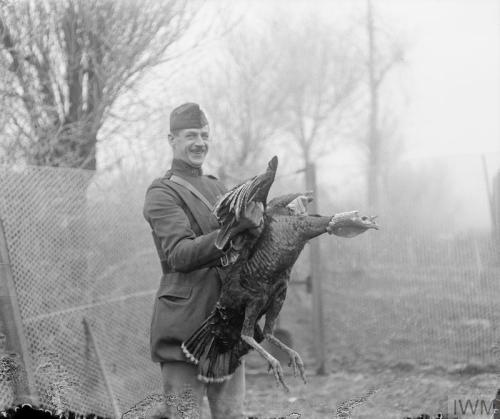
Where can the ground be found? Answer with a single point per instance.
(385, 394)
(405, 344)
(397, 346)
(397, 394)
(399, 342)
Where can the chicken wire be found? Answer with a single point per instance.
(81, 253)
(422, 291)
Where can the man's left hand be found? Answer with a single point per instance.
(252, 218)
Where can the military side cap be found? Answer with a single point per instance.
(188, 115)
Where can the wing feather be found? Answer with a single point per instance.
(231, 206)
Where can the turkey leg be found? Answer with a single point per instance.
(247, 332)
(271, 316)
(295, 360)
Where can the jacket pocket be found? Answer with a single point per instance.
(176, 293)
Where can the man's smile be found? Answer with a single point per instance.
(198, 151)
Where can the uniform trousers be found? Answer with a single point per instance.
(184, 392)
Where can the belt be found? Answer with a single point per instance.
(222, 261)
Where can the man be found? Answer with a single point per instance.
(178, 209)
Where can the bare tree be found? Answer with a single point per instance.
(245, 99)
(321, 75)
(65, 64)
(379, 64)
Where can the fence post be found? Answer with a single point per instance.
(10, 316)
(107, 383)
(315, 260)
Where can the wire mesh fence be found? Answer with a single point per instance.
(85, 272)
(80, 253)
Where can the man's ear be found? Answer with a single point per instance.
(171, 139)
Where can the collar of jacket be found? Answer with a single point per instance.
(180, 167)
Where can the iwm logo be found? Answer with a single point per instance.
(473, 406)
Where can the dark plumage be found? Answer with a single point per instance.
(257, 279)
(232, 205)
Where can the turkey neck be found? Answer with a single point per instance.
(297, 229)
(311, 226)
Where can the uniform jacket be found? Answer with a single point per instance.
(184, 231)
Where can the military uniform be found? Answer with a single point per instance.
(184, 231)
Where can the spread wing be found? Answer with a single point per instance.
(231, 206)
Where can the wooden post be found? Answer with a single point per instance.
(489, 194)
(107, 384)
(315, 260)
(496, 218)
(479, 262)
(496, 406)
(496, 203)
(11, 319)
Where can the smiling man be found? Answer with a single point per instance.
(178, 208)
(189, 134)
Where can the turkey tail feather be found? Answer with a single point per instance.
(215, 363)
(198, 342)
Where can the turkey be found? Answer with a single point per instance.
(257, 276)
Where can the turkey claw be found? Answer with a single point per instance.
(278, 374)
(297, 365)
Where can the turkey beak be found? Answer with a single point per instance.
(370, 222)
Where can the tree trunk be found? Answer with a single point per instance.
(373, 137)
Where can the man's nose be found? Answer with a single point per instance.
(199, 141)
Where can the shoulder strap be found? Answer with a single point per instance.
(192, 189)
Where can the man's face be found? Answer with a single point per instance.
(191, 145)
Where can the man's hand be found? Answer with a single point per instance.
(252, 218)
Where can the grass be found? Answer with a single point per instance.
(397, 393)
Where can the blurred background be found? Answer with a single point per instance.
(390, 107)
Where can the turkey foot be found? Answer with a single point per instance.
(275, 365)
(295, 360)
(273, 362)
